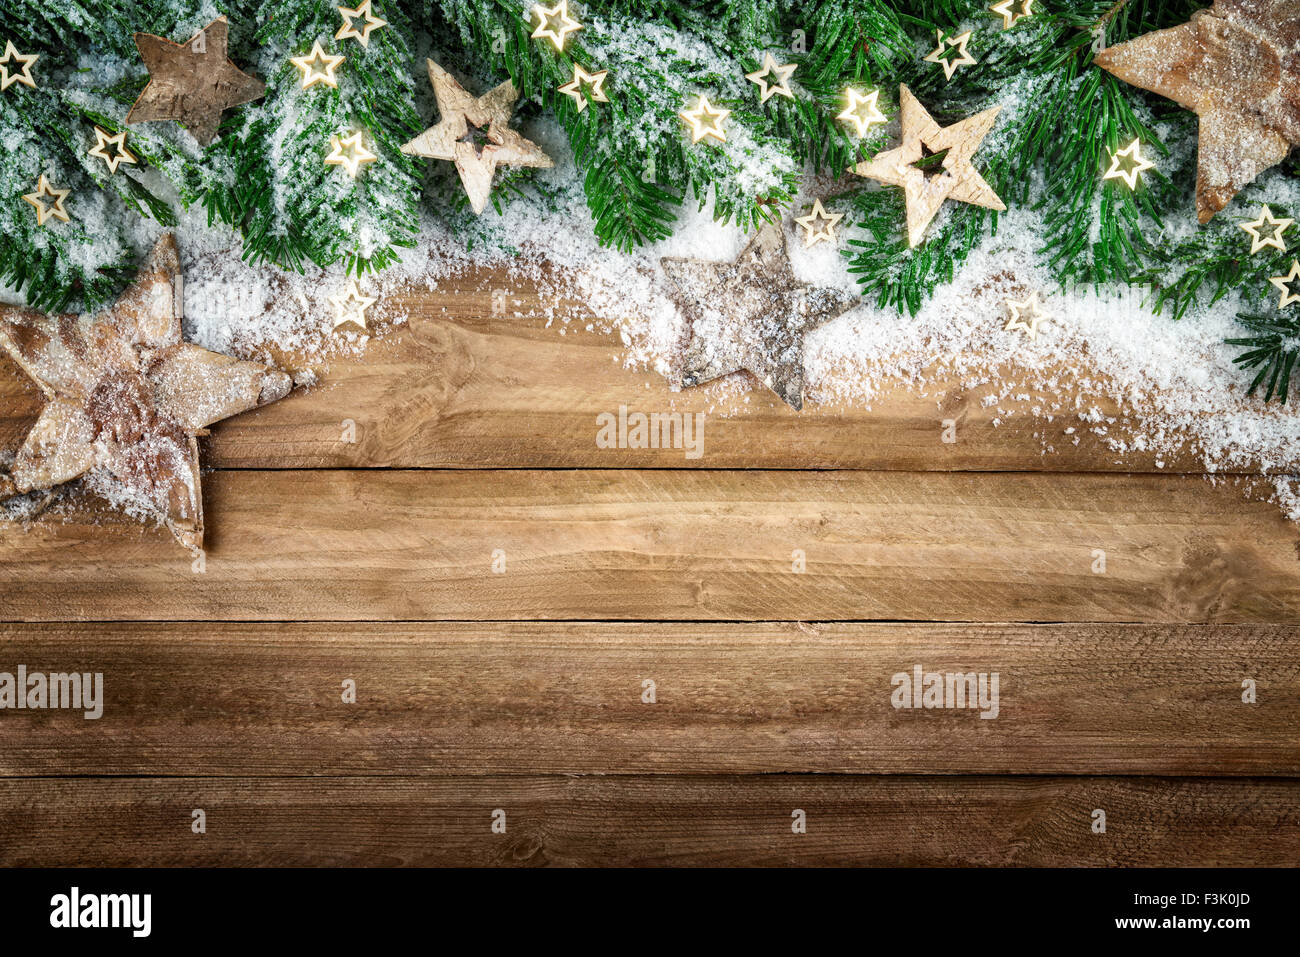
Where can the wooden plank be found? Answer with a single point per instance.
(746, 820)
(226, 699)
(672, 545)
(461, 387)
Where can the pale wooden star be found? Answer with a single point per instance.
(705, 120)
(24, 75)
(351, 307)
(861, 111)
(1026, 316)
(1276, 228)
(55, 209)
(1013, 11)
(947, 46)
(1128, 164)
(1234, 65)
(126, 396)
(958, 179)
(1289, 286)
(318, 67)
(819, 225)
(592, 83)
(554, 24)
(120, 154)
(770, 67)
(475, 134)
(193, 82)
(751, 314)
(361, 12)
(350, 153)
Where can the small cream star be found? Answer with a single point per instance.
(861, 111)
(362, 12)
(119, 156)
(772, 68)
(1289, 286)
(705, 120)
(349, 152)
(1026, 316)
(55, 209)
(1013, 11)
(1267, 220)
(317, 67)
(819, 225)
(948, 45)
(351, 307)
(581, 79)
(24, 76)
(554, 24)
(1129, 173)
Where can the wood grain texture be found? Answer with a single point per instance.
(672, 545)
(460, 387)
(224, 699)
(725, 820)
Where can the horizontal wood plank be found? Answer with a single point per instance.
(463, 387)
(971, 821)
(200, 699)
(672, 545)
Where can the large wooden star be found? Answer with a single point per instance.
(751, 314)
(475, 134)
(126, 396)
(1235, 65)
(950, 177)
(192, 82)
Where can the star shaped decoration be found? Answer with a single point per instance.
(861, 111)
(120, 154)
(351, 307)
(554, 24)
(1234, 65)
(751, 314)
(475, 134)
(819, 225)
(318, 67)
(770, 68)
(1128, 164)
(126, 398)
(1289, 286)
(1276, 228)
(55, 209)
(1013, 11)
(349, 152)
(586, 84)
(705, 120)
(952, 178)
(193, 82)
(24, 76)
(1026, 316)
(943, 53)
(361, 12)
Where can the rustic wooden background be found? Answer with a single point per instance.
(372, 561)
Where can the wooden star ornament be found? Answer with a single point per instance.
(369, 23)
(193, 82)
(318, 67)
(1288, 286)
(475, 134)
(1026, 316)
(350, 308)
(951, 53)
(953, 178)
(127, 399)
(55, 209)
(119, 155)
(1234, 65)
(1267, 231)
(23, 76)
(751, 314)
(586, 85)
(818, 225)
(762, 78)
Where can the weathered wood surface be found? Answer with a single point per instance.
(225, 699)
(672, 545)
(656, 820)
